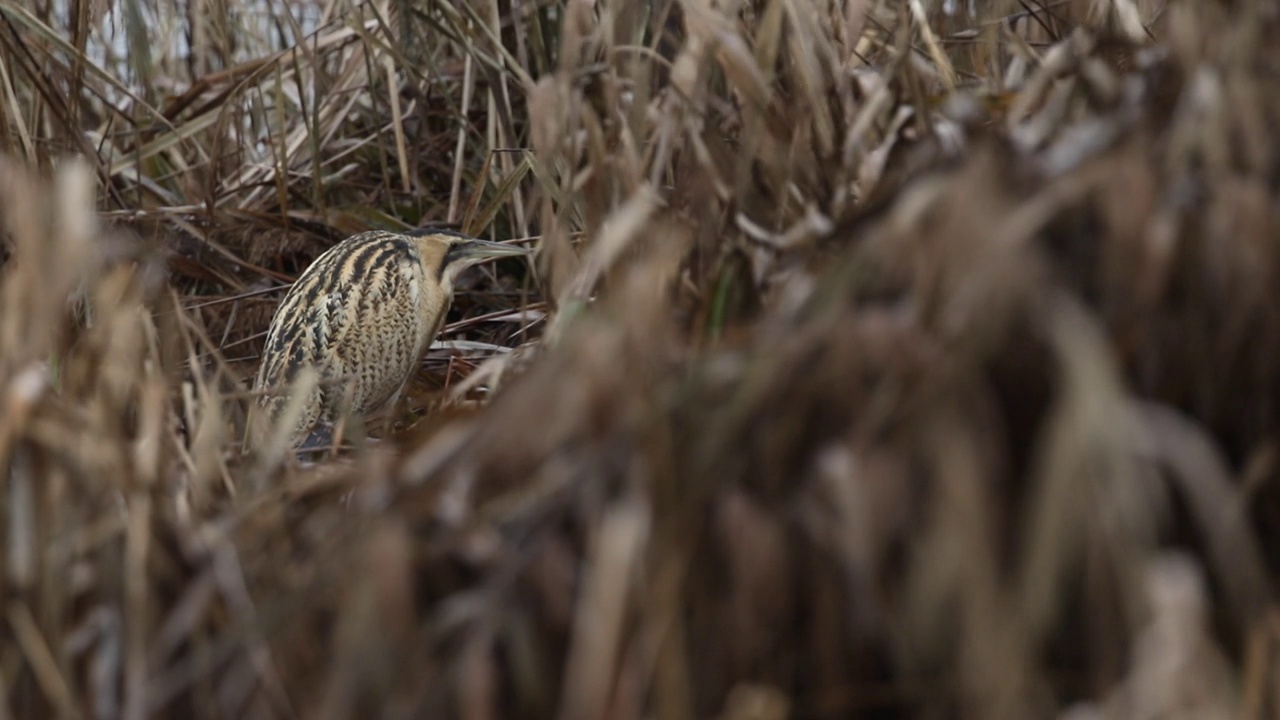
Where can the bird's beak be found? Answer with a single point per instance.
(478, 250)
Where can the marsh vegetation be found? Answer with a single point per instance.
(877, 359)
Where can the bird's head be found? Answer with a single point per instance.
(448, 253)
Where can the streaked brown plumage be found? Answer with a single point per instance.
(363, 315)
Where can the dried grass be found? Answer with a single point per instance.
(877, 361)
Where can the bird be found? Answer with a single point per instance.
(363, 315)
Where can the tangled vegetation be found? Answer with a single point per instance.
(878, 358)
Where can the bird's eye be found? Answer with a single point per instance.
(455, 252)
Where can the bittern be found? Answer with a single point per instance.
(363, 316)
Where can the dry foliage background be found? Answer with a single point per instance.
(879, 359)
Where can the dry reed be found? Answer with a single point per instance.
(880, 359)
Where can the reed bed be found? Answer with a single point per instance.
(877, 359)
